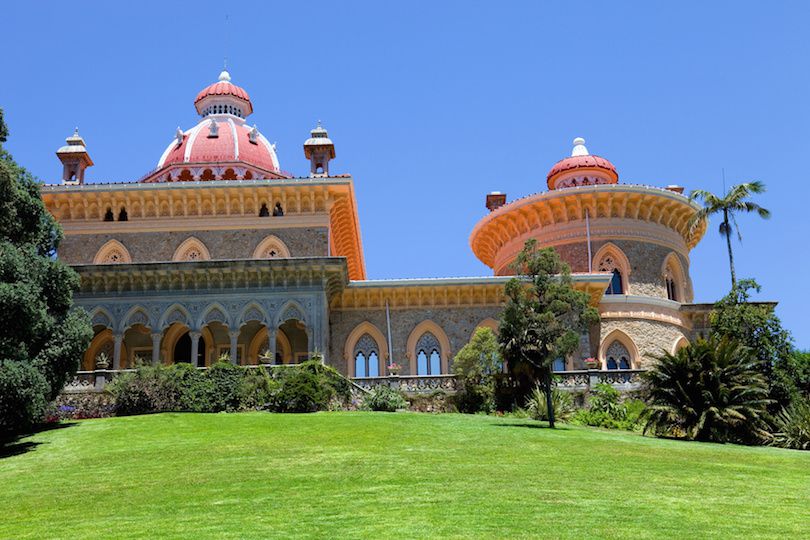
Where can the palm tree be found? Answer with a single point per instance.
(735, 200)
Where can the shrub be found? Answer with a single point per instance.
(475, 366)
(190, 387)
(711, 390)
(302, 390)
(226, 386)
(22, 396)
(606, 409)
(384, 398)
(145, 390)
(791, 426)
(561, 401)
(606, 399)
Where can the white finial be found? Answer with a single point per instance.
(579, 147)
(76, 131)
(179, 135)
(224, 76)
(253, 134)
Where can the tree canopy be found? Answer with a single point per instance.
(543, 319)
(41, 336)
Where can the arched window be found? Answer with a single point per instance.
(674, 279)
(108, 215)
(263, 211)
(672, 292)
(122, 215)
(428, 355)
(615, 286)
(617, 356)
(609, 259)
(278, 210)
(366, 357)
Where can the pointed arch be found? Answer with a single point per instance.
(428, 326)
(191, 249)
(271, 247)
(176, 313)
(214, 312)
(610, 258)
(489, 322)
(252, 312)
(679, 344)
(136, 315)
(625, 340)
(674, 277)
(291, 310)
(359, 331)
(260, 342)
(112, 252)
(99, 316)
(101, 342)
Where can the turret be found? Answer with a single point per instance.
(75, 159)
(319, 150)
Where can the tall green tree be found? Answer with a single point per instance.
(756, 326)
(543, 319)
(734, 202)
(41, 336)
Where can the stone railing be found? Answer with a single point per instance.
(91, 381)
(625, 380)
(410, 384)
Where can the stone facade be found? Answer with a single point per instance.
(221, 244)
(457, 323)
(650, 338)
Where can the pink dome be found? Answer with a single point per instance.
(233, 143)
(580, 160)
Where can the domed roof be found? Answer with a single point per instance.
(221, 138)
(581, 160)
(223, 88)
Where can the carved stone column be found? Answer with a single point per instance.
(118, 340)
(195, 347)
(234, 335)
(156, 348)
(271, 343)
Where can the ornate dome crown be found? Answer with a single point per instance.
(581, 169)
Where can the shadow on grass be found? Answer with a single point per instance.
(532, 425)
(14, 445)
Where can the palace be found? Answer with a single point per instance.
(218, 251)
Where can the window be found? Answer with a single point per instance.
(366, 357)
(615, 286)
(428, 355)
(672, 293)
(264, 211)
(122, 215)
(278, 210)
(609, 263)
(558, 365)
(108, 215)
(617, 356)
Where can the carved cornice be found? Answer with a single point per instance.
(445, 292)
(532, 215)
(328, 273)
(155, 206)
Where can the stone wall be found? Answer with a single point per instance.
(458, 324)
(221, 244)
(649, 337)
(646, 261)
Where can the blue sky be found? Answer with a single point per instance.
(433, 104)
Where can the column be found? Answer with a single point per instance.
(271, 344)
(234, 335)
(156, 348)
(118, 340)
(195, 347)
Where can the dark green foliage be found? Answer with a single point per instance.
(301, 391)
(607, 409)
(543, 319)
(148, 389)
(791, 426)
(711, 390)
(22, 395)
(385, 399)
(475, 367)
(757, 327)
(337, 385)
(38, 328)
(226, 386)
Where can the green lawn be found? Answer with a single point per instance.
(404, 475)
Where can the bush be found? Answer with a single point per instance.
(22, 396)
(474, 367)
(384, 398)
(791, 426)
(191, 389)
(606, 409)
(561, 401)
(148, 389)
(711, 390)
(301, 391)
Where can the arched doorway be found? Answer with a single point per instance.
(182, 350)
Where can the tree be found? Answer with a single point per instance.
(543, 319)
(733, 202)
(41, 336)
(475, 366)
(757, 327)
(710, 390)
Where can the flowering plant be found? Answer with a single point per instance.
(393, 368)
(591, 362)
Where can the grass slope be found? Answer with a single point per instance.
(348, 475)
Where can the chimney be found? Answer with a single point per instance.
(495, 200)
